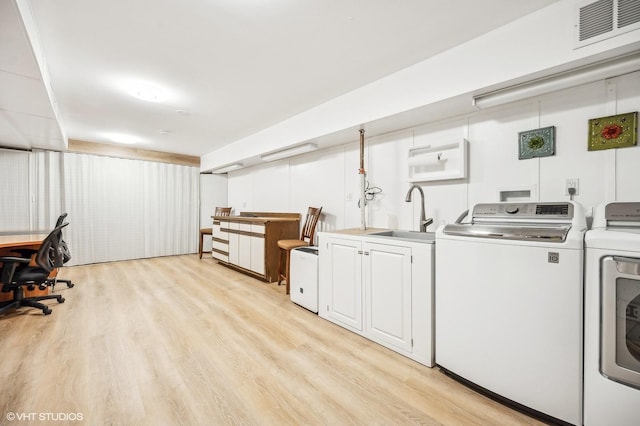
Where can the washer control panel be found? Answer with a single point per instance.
(627, 212)
(520, 211)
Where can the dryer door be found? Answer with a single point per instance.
(620, 320)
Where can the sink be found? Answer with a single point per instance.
(425, 237)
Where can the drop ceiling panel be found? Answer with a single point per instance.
(24, 94)
(15, 50)
(9, 135)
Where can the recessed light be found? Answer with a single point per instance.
(164, 132)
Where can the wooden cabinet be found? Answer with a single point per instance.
(381, 289)
(249, 242)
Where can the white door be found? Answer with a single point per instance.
(387, 277)
(345, 282)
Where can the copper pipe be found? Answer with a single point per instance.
(361, 152)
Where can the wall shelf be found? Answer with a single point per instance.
(438, 162)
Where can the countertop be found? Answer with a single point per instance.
(255, 219)
(356, 231)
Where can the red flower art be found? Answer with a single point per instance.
(611, 132)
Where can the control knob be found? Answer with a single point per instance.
(512, 209)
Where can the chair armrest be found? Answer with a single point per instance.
(11, 259)
(9, 265)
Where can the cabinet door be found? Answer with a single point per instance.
(244, 246)
(234, 243)
(257, 249)
(344, 282)
(387, 277)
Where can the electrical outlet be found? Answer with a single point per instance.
(572, 183)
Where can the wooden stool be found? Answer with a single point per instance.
(306, 239)
(203, 232)
(285, 257)
(220, 211)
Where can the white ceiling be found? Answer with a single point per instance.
(229, 68)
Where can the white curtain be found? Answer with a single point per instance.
(15, 207)
(118, 209)
(127, 209)
(46, 189)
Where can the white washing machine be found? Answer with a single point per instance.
(612, 317)
(509, 297)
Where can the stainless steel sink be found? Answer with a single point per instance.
(425, 237)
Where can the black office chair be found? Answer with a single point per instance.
(17, 273)
(66, 255)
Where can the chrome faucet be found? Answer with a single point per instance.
(424, 222)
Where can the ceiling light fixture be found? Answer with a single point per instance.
(564, 80)
(122, 138)
(289, 152)
(147, 92)
(227, 168)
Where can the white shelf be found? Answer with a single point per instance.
(442, 162)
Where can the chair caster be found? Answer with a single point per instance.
(70, 285)
(46, 311)
(60, 299)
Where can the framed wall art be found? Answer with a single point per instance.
(615, 131)
(537, 143)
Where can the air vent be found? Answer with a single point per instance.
(603, 19)
(595, 19)
(628, 12)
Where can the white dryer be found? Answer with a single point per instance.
(509, 304)
(612, 317)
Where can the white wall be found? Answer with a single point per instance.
(539, 43)
(329, 178)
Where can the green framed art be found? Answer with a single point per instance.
(537, 143)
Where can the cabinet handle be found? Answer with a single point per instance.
(359, 251)
(366, 253)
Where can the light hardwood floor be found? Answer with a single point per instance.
(178, 340)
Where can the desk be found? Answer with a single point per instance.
(20, 241)
(8, 243)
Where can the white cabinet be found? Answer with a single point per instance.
(257, 243)
(246, 246)
(342, 281)
(387, 276)
(234, 243)
(381, 289)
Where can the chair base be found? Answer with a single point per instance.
(32, 302)
(52, 283)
